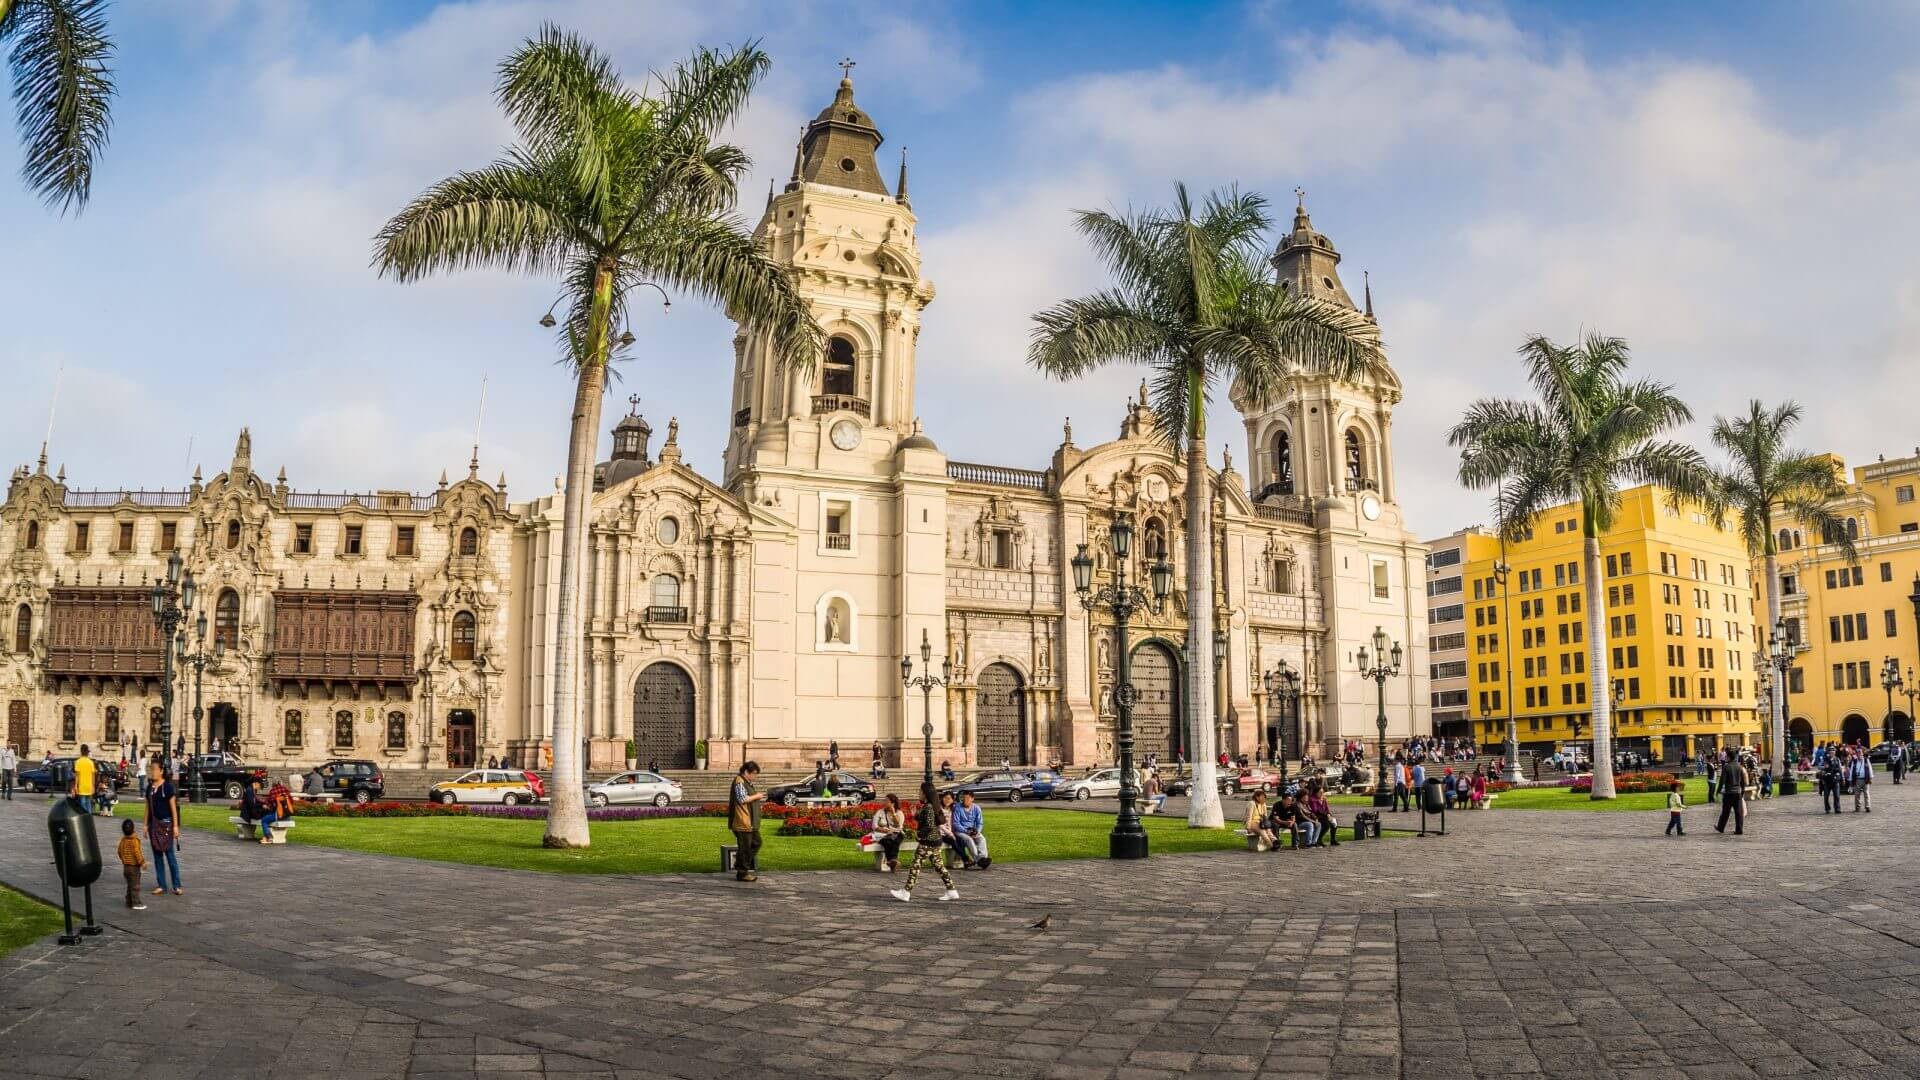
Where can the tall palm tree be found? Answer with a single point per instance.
(62, 92)
(1194, 302)
(1589, 431)
(1765, 484)
(608, 189)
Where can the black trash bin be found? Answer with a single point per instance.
(76, 858)
(1433, 800)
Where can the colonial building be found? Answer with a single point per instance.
(365, 625)
(765, 613)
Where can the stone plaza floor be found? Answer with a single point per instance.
(1525, 943)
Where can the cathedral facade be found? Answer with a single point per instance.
(765, 613)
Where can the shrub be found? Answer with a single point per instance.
(382, 810)
(699, 749)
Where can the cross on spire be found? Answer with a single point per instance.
(1300, 198)
(846, 69)
(633, 400)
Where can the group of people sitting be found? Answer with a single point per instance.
(1308, 819)
(962, 830)
(262, 811)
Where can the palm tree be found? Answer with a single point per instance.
(1766, 483)
(63, 91)
(609, 190)
(1589, 431)
(1195, 303)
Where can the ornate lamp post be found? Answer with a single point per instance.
(926, 682)
(1780, 646)
(1501, 571)
(198, 661)
(1914, 597)
(1617, 693)
(172, 599)
(1129, 838)
(1763, 692)
(1283, 688)
(1889, 681)
(1219, 684)
(1910, 690)
(1386, 665)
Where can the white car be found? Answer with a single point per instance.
(1103, 783)
(634, 787)
(509, 787)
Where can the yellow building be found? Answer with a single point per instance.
(1680, 632)
(1850, 617)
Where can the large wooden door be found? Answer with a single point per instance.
(460, 740)
(17, 726)
(1156, 717)
(663, 717)
(1000, 716)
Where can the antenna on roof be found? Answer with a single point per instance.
(479, 419)
(188, 464)
(58, 374)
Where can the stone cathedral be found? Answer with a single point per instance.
(763, 613)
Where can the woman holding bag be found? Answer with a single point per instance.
(889, 830)
(163, 828)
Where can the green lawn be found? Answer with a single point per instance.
(23, 920)
(1559, 798)
(692, 845)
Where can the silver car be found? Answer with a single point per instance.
(634, 787)
(1102, 783)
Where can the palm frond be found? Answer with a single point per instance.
(564, 97)
(705, 92)
(63, 93)
(1076, 336)
(513, 215)
(716, 257)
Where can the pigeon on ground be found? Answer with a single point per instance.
(1045, 921)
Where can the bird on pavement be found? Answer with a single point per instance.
(1045, 921)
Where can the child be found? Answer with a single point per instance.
(1766, 782)
(132, 859)
(1675, 804)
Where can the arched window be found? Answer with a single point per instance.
(112, 735)
(1356, 461)
(233, 533)
(343, 729)
(666, 591)
(469, 541)
(396, 731)
(33, 536)
(463, 635)
(291, 733)
(838, 374)
(1786, 540)
(69, 723)
(1283, 462)
(23, 629)
(1853, 529)
(226, 619)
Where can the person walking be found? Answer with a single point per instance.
(9, 764)
(1733, 802)
(928, 820)
(1676, 807)
(1862, 777)
(1896, 760)
(890, 831)
(833, 754)
(163, 829)
(1711, 767)
(132, 859)
(81, 785)
(743, 820)
(1828, 781)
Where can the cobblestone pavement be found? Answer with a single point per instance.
(1525, 943)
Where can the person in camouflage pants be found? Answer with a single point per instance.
(929, 849)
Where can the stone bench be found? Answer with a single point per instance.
(249, 830)
(880, 854)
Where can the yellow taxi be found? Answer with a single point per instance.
(509, 787)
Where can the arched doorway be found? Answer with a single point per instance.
(1157, 716)
(1853, 729)
(1800, 734)
(460, 740)
(663, 716)
(1000, 716)
(1900, 726)
(223, 723)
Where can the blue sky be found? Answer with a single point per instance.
(1729, 186)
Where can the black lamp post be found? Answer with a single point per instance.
(926, 682)
(1617, 694)
(1220, 685)
(1914, 596)
(1129, 838)
(1502, 570)
(1780, 646)
(1910, 690)
(172, 599)
(1386, 665)
(1283, 687)
(1889, 681)
(198, 661)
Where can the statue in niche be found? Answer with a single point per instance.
(836, 633)
(1106, 655)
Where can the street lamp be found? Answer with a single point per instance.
(1129, 838)
(1501, 571)
(1220, 685)
(926, 682)
(1780, 646)
(1889, 681)
(1386, 665)
(198, 661)
(172, 598)
(1910, 691)
(1283, 687)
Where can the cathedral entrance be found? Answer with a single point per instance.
(460, 741)
(17, 726)
(223, 723)
(1000, 717)
(1158, 720)
(663, 717)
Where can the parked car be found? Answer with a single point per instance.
(1183, 783)
(1101, 783)
(357, 780)
(994, 784)
(1044, 781)
(839, 783)
(509, 787)
(37, 777)
(1257, 778)
(634, 787)
(223, 773)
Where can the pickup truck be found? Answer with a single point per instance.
(223, 773)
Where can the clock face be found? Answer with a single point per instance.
(846, 434)
(1370, 507)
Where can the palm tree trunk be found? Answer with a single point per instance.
(1600, 688)
(567, 808)
(1203, 803)
(1778, 704)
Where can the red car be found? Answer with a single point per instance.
(534, 782)
(1258, 778)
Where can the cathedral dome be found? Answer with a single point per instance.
(917, 441)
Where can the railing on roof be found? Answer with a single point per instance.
(318, 500)
(1000, 475)
(91, 499)
(1296, 514)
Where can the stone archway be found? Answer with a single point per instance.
(1157, 716)
(663, 716)
(1800, 734)
(1900, 726)
(1000, 721)
(1853, 730)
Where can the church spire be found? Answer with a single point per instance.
(1366, 281)
(900, 189)
(839, 145)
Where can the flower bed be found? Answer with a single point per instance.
(381, 810)
(609, 813)
(1632, 783)
(845, 821)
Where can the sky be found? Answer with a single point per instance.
(1731, 187)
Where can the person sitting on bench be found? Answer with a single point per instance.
(1259, 822)
(255, 811)
(1287, 815)
(1322, 813)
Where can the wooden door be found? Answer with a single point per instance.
(1000, 723)
(460, 739)
(663, 717)
(17, 726)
